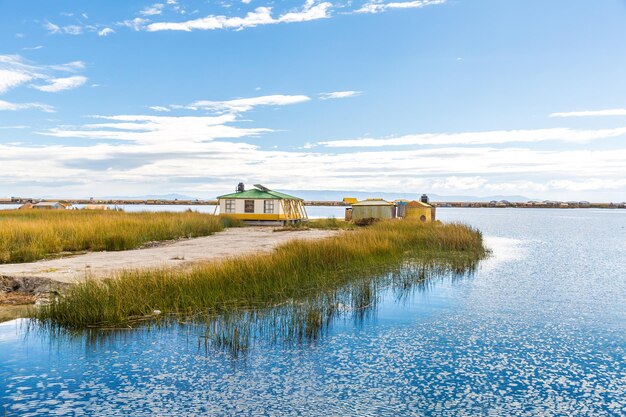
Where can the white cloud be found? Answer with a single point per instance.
(136, 24)
(106, 32)
(60, 84)
(459, 183)
(159, 129)
(339, 94)
(5, 105)
(168, 150)
(153, 10)
(260, 16)
(184, 145)
(159, 108)
(10, 79)
(310, 11)
(589, 184)
(52, 28)
(68, 29)
(74, 66)
(15, 71)
(207, 153)
(591, 113)
(482, 138)
(241, 105)
(163, 155)
(73, 29)
(379, 6)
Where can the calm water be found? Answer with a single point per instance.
(539, 329)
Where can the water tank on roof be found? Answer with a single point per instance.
(240, 188)
(424, 199)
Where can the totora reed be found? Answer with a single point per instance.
(294, 271)
(30, 235)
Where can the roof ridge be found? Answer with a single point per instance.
(259, 194)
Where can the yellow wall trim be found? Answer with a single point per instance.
(260, 216)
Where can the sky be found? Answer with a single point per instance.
(452, 97)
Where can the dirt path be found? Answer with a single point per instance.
(232, 242)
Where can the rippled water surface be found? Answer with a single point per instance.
(538, 329)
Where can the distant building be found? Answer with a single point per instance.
(373, 208)
(348, 212)
(95, 207)
(401, 207)
(50, 205)
(262, 206)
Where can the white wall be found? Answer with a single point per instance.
(258, 206)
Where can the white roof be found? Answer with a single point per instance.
(48, 203)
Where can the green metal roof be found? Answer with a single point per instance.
(254, 194)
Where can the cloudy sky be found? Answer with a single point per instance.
(472, 97)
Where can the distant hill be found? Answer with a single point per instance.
(329, 195)
(172, 196)
(332, 195)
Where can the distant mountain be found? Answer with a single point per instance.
(330, 195)
(172, 196)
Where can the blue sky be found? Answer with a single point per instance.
(450, 97)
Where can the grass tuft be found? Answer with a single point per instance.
(29, 235)
(294, 271)
(330, 223)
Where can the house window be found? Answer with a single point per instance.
(249, 206)
(230, 206)
(268, 206)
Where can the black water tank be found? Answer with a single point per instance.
(241, 188)
(424, 199)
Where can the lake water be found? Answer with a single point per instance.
(538, 329)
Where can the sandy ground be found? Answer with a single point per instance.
(232, 242)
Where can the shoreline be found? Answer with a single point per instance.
(439, 204)
(296, 271)
(39, 276)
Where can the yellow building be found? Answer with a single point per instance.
(262, 206)
(418, 210)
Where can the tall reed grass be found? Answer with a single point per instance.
(29, 235)
(294, 271)
(329, 223)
